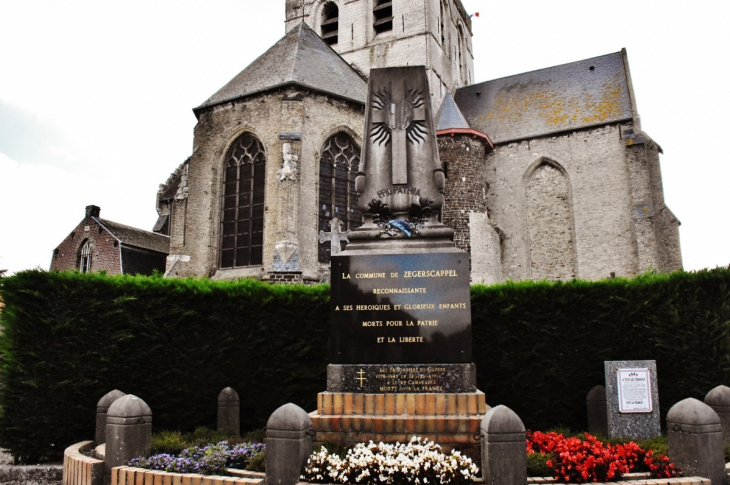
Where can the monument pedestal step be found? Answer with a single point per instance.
(421, 404)
(450, 420)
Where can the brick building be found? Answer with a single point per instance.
(549, 174)
(101, 245)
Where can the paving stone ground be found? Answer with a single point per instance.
(9, 473)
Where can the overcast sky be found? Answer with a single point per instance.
(96, 98)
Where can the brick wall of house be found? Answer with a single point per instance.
(104, 249)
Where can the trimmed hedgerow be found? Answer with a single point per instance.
(70, 338)
(539, 347)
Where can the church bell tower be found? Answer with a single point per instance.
(395, 33)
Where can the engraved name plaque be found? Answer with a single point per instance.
(400, 309)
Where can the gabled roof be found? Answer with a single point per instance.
(302, 58)
(578, 95)
(449, 115)
(131, 236)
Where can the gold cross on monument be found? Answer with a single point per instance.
(362, 377)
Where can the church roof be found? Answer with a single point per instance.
(449, 115)
(132, 236)
(571, 96)
(301, 57)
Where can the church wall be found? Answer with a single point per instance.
(670, 252)
(303, 120)
(595, 164)
(390, 53)
(666, 225)
(551, 238)
(104, 255)
(177, 210)
(324, 118)
(216, 130)
(643, 207)
(463, 160)
(486, 246)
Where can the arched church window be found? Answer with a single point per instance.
(242, 218)
(330, 23)
(382, 15)
(85, 257)
(550, 223)
(338, 167)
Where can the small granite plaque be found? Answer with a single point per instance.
(632, 399)
(400, 309)
(402, 378)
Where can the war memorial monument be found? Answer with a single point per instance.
(400, 341)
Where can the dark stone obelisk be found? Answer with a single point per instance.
(400, 182)
(400, 338)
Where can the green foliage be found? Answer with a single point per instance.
(254, 436)
(540, 347)
(171, 442)
(70, 338)
(537, 465)
(658, 445)
(257, 463)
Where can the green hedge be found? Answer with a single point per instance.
(539, 347)
(70, 338)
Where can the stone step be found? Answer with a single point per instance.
(402, 424)
(447, 441)
(426, 404)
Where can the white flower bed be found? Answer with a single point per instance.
(418, 462)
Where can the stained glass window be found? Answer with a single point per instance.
(338, 167)
(242, 220)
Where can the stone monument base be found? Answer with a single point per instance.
(450, 420)
(402, 378)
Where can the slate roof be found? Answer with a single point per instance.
(301, 57)
(131, 236)
(571, 96)
(449, 115)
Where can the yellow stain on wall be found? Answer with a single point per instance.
(557, 109)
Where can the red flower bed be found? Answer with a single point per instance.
(590, 460)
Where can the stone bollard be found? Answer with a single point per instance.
(719, 400)
(597, 416)
(695, 440)
(288, 444)
(128, 431)
(504, 459)
(101, 408)
(229, 411)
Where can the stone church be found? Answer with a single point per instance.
(549, 174)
